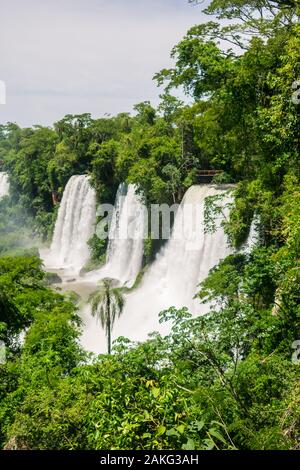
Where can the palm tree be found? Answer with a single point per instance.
(107, 305)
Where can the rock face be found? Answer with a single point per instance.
(53, 278)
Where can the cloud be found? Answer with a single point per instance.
(75, 56)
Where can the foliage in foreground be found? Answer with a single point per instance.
(225, 380)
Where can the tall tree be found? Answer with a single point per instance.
(107, 305)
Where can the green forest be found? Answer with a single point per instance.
(228, 380)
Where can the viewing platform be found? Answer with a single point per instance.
(206, 176)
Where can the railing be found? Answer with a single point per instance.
(209, 172)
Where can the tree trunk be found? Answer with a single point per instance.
(54, 195)
(109, 338)
(108, 324)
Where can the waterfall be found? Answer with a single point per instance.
(74, 225)
(4, 184)
(126, 237)
(253, 238)
(183, 263)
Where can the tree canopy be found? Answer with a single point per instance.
(225, 380)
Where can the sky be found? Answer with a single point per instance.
(63, 57)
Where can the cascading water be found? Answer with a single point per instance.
(173, 278)
(253, 236)
(74, 225)
(126, 237)
(4, 184)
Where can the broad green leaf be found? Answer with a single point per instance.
(218, 435)
(181, 428)
(209, 444)
(161, 430)
(155, 392)
(172, 432)
(190, 445)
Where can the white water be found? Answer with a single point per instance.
(4, 184)
(126, 238)
(253, 236)
(74, 226)
(173, 278)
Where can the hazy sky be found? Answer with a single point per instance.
(75, 56)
